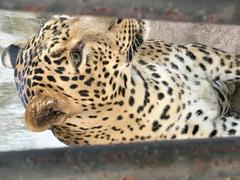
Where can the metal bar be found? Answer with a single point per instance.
(182, 159)
(209, 11)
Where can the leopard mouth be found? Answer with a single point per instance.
(43, 112)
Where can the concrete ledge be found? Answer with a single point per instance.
(182, 159)
(210, 11)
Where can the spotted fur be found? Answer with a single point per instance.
(102, 82)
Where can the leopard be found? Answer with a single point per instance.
(93, 80)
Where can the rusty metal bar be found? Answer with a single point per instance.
(182, 159)
(209, 11)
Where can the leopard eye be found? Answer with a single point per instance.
(76, 57)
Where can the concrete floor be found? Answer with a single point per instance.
(15, 26)
(225, 37)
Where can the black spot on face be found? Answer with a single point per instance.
(88, 70)
(160, 96)
(170, 90)
(83, 92)
(191, 55)
(155, 75)
(150, 109)
(51, 78)
(232, 131)
(92, 116)
(202, 66)
(199, 112)
(46, 58)
(222, 63)
(208, 59)
(70, 124)
(188, 68)
(131, 116)
(119, 117)
(105, 118)
(119, 20)
(39, 71)
(131, 101)
(73, 86)
(179, 58)
(81, 77)
(116, 73)
(75, 78)
(142, 62)
(174, 66)
(89, 81)
(58, 62)
(106, 75)
(60, 70)
(155, 126)
(185, 129)
(164, 114)
(64, 78)
(195, 129)
(228, 71)
(188, 116)
(38, 78)
(213, 133)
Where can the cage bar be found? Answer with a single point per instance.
(207, 11)
(180, 159)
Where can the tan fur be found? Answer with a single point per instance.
(121, 87)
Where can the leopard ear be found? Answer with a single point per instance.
(9, 56)
(129, 35)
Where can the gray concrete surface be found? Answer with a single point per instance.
(17, 26)
(226, 37)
